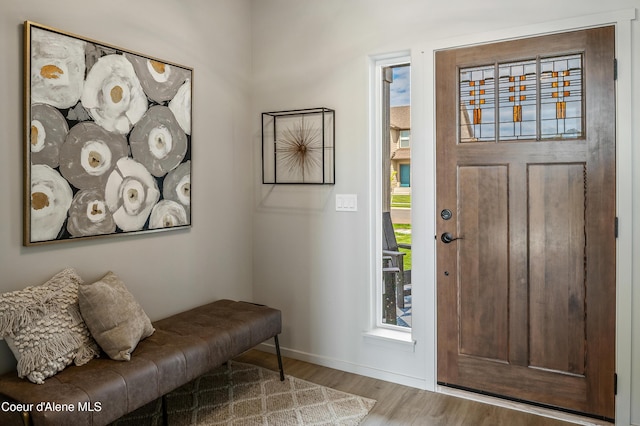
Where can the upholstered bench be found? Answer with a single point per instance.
(183, 347)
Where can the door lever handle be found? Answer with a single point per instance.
(447, 238)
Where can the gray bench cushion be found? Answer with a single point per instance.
(184, 346)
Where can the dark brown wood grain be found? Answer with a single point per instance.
(526, 301)
(484, 276)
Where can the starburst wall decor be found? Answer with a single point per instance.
(298, 146)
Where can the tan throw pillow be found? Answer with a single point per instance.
(43, 327)
(113, 316)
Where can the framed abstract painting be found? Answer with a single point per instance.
(107, 145)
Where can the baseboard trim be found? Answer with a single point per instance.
(375, 373)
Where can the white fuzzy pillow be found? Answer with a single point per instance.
(44, 329)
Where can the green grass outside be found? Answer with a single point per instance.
(404, 238)
(401, 201)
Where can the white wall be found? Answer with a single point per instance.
(314, 262)
(170, 271)
(308, 260)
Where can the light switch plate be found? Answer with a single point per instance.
(346, 202)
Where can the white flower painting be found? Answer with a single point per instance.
(108, 140)
(113, 95)
(50, 197)
(57, 69)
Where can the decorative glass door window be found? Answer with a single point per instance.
(477, 104)
(561, 97)
(517, 100)
(529, 100)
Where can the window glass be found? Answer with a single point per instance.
(534, 99)
(395, 291)
(404, 138)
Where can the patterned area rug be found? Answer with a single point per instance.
(243, 394)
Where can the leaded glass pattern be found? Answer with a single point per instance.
(536, 99)
(517, 100)
(477, 104)
(561, 97)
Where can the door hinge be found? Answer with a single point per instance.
(616, 228)
(615, 383)
(615, 69)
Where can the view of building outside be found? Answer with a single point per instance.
(400, 178)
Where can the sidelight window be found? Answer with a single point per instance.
(395, 174)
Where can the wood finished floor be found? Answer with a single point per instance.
(402, 405)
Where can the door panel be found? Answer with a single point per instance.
(526, 294)
(556, 259)
(484, 283)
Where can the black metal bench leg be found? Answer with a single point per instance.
(165, 413)
(279, 358)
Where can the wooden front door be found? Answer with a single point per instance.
(525, 142)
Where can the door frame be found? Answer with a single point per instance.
(425, 107)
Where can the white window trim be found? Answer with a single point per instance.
(377, 329)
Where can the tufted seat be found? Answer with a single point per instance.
(184, 346)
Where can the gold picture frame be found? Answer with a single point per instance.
(107, 140)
